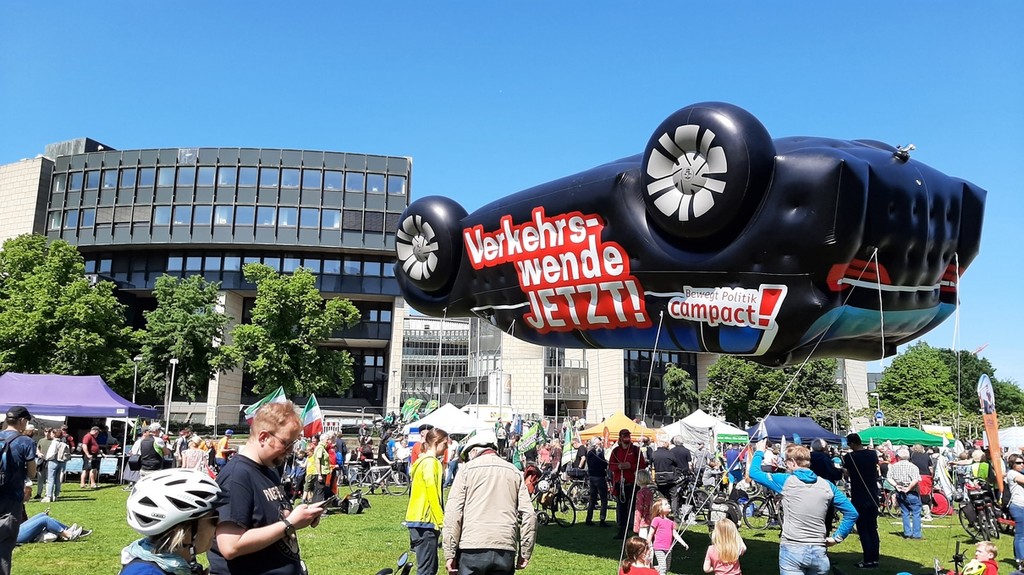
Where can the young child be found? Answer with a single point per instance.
(723, 556)
(636, 562)
(645, 491)
(984, 557)
(663, 534)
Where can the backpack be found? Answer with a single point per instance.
(7, 461)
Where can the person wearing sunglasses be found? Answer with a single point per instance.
(1015, 483)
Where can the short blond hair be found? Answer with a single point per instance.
(275, 416)
(799, 455)
(987, 547)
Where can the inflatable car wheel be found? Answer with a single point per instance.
(705, 170)
(429, 242)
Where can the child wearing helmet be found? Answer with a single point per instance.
(174, 510)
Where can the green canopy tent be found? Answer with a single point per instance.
(899, 436)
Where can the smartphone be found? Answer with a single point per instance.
(329, 501)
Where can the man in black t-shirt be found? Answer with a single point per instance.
(256, 532)
(861, 466)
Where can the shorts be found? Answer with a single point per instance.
(90, 462)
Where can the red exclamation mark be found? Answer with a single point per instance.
(771, 300)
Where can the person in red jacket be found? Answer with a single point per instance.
(624, 461)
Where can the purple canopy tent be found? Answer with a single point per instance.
(68, 395)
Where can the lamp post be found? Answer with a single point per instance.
(878, 403)
(135, 387)
(170, 392)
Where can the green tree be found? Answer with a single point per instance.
(680, 392)
(747, 391)
(917, 382)
(55, 320)
(290, 322)
(185, 325)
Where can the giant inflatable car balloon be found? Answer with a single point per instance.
(716, 238)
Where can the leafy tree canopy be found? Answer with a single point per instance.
(186, 325)
(55, 320)
(290, 322)
(745, 391)
(680, 392)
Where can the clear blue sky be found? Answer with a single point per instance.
(489, 98)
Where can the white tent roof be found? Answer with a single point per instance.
(699, 427)
(1011, 438)
(451, 419)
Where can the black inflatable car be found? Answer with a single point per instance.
(717, 238)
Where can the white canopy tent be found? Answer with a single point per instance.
(451, 419)
(1011, 438)
(699, 427)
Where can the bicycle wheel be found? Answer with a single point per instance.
(701, 502)
(580, 493)
(756, 513)
(563, 511)
(990, 525)
(969, 526)
(397, 483)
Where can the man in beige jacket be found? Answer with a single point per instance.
(489, 523)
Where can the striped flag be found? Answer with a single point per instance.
(312, 418)
(568, 453)
(276, 397)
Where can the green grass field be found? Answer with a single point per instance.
(364, 544)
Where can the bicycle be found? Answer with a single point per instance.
(578, 490)
(552, 503)
(979, 515)
(762, 512)
(391, 478)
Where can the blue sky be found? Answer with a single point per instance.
(491, 98)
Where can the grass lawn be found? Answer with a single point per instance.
(364, 544)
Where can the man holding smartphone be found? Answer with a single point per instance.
(256, 532)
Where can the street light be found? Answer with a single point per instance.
(170, 392)
(135, 386)
(878, 405)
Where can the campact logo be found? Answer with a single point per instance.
(739, 307)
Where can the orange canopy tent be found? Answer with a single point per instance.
(614, 424)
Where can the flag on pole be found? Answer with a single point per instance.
(312, 418)
(782, 449)
(568, 453)
(276, 397)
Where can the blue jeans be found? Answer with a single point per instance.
(54, 478)
(910, 505)
(423, 542)
(36, 525)
(802, 559)
(1017, 512)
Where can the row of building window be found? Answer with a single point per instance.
(230, 177)
(225, 215)
(225, 262)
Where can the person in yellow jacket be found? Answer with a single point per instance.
(425, 515)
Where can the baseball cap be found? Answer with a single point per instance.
(18, 412)
(154, 426)
(229, 432)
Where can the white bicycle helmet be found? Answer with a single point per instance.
(169, 497)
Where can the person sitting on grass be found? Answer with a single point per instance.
(175, 511)
(43, 528)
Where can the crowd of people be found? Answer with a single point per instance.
(196, 495)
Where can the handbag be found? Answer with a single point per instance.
(135, 461)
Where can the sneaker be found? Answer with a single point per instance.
(74, 532)
(84, 533)
(45, 500)
(866, 565)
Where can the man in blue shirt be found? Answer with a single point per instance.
(805, 500)
(21, 463)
